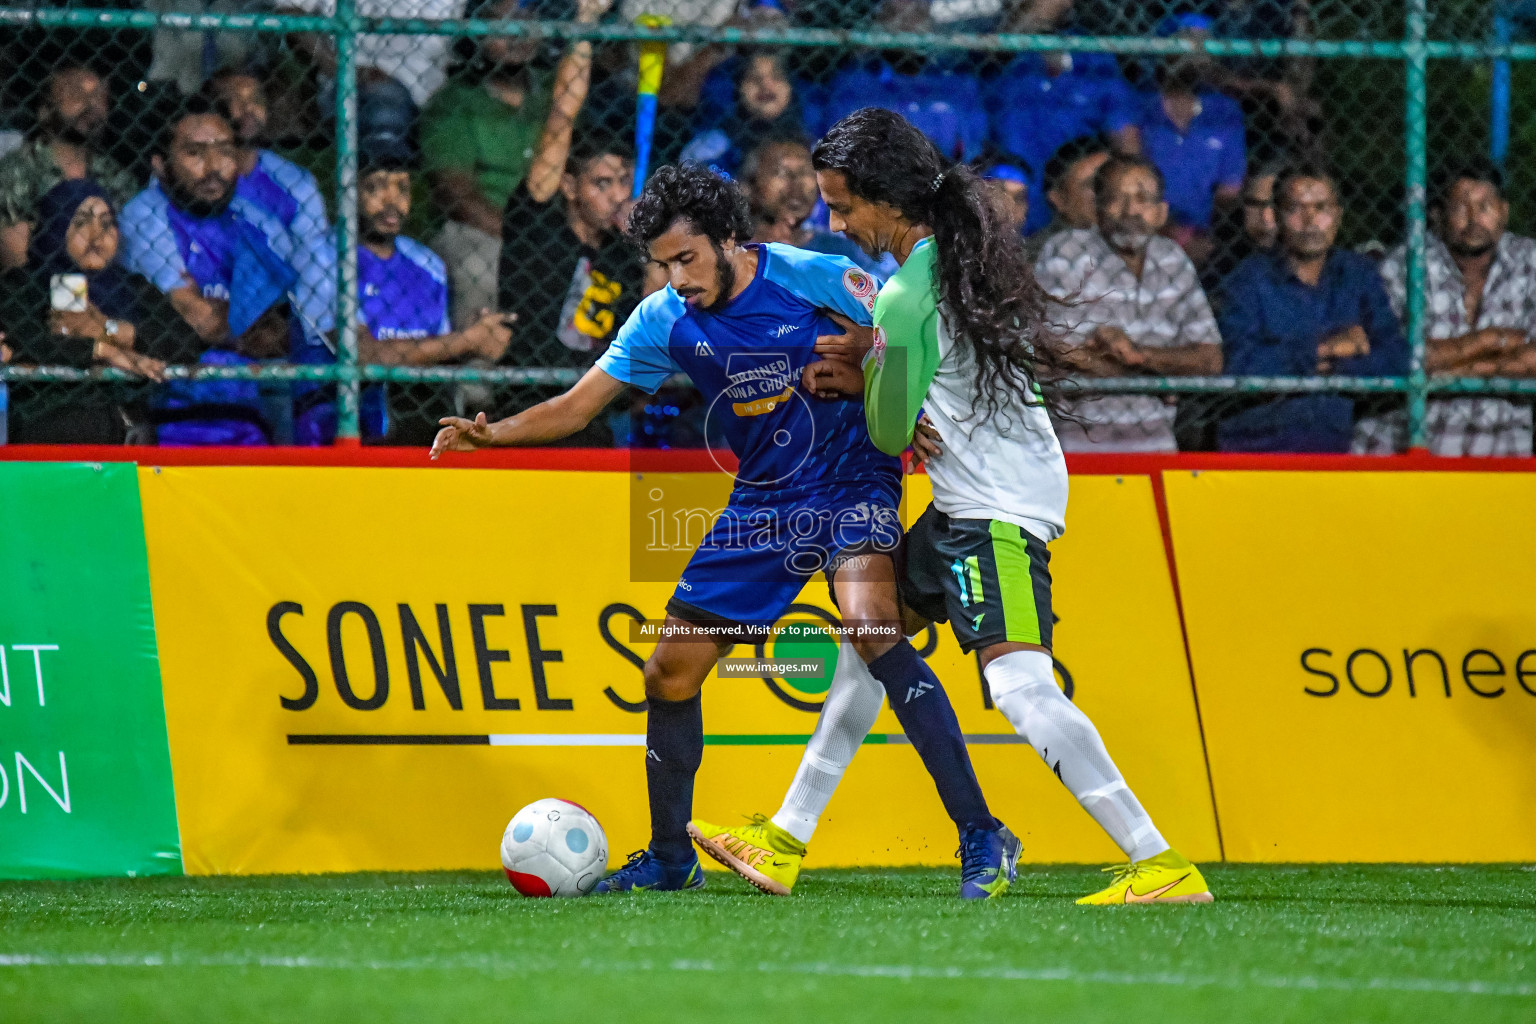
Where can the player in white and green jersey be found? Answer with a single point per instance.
(960, 336)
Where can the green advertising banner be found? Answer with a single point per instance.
(85, 769)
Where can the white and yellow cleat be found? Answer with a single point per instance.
(1166, 878)
(761, 852)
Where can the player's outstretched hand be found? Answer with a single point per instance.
(461, 435)
(925, 443)
(832, 378)
(850, 346)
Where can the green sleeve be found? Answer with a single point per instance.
(896, 379)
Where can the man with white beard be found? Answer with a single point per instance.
(1130, 302)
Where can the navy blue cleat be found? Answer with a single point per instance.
(644, 870)
(989, 862)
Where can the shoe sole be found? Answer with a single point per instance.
(736, 864)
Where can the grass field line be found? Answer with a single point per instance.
(901, 972)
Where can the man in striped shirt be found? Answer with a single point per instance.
(1479, 315)
(1131, 304)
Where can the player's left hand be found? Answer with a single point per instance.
(925, 443)
(832, 378)
(850, 346)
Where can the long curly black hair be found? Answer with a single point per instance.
(988, 295)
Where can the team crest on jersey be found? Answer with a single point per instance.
(878, 348)
(861, 286)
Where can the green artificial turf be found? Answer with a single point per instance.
(1343, 943)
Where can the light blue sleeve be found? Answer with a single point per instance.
(640, 355)
(828, 282)
(310, 219)
(149, 244)
(312, 258)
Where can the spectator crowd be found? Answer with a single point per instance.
(1180, 211)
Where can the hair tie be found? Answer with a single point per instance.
(938, 180)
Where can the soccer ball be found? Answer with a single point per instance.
(554, 848)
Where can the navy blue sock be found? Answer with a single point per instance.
(923, 708)
(674, 746)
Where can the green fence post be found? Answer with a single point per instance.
(346, 222)
(1415, 133)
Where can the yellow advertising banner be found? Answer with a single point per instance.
(1364, 648)
(372, 669)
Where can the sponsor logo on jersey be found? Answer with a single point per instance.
(759, 382)
(703, 349)
(783, 329)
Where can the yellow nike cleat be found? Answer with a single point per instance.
(761, 852)
(1166, 878)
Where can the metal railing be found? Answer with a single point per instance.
(1414, 51)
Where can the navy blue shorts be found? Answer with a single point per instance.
(760, 554)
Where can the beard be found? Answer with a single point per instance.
(200, 208)
(73, 131)
(252, 133)
(1128, 236)
(371, 232)
(1471, 251)
(792, 204)
(725, 280)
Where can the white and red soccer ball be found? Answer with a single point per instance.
(554, 848)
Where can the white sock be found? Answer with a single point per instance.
(1024, 689)
(847, 715)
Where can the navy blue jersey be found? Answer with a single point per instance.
(746, 359)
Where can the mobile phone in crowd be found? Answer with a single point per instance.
(68, 293)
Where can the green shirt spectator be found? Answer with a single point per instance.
(478, 136)
(478, 128)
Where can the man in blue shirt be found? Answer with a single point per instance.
(812, 494)
(1195, 136)
(227, 266)
(279, 186)
(945, 105)
(1302, 309)
(402, 289)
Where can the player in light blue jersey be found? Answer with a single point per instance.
(812, 494)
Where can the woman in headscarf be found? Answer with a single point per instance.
(73, 304)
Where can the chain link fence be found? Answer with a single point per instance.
(284, 222)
